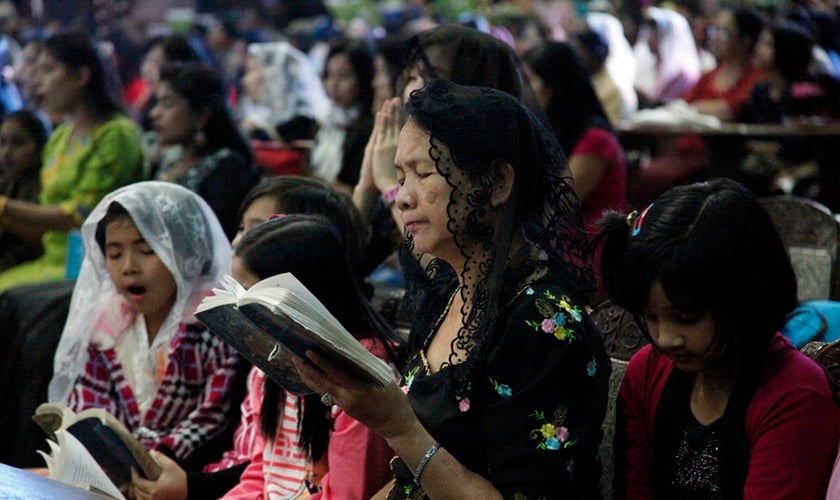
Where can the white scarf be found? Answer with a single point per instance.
(328, 150)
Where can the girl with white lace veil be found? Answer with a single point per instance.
(621, 63)
(280, 83)
(130, 343)
(668, 64)
(506, 384)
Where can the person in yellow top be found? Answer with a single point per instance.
(95, 151)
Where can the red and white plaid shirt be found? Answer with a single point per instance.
(191, 402)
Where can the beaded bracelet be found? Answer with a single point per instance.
(422, 465)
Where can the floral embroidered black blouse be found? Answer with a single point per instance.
(529, 418)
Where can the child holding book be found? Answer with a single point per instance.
(130, 344)
(286, 195)
(304, 445)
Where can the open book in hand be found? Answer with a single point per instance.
(92, 449)
(279, 317)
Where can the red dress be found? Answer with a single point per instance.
(611, 191)
(735, 96)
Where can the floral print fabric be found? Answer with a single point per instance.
(529, 419)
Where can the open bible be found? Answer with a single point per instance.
(278, 318)
(92, 449)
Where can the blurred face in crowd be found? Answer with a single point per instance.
(174, 121)
(25, 72)
(150, 68)
(412, 80)
(340, 81)
(243, 275)
(57, 88)
(260, 210)
(541, 91)
(382, 89)
(723, 35)
(253, 80)
(765, 51)
(19, 152)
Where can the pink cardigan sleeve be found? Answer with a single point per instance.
(358, 461)
(252, 482)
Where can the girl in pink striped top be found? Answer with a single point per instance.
(304, 445)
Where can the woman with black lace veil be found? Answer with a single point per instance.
(506, 385)
(460, 54)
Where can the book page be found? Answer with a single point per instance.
(71, 463)
(107, 439)
(113, 447)
(230, 290)
(53, 416)
(336, 342)
(254, 343)
(289, 282)
(268, 307)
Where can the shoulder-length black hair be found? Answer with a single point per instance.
(30, 122)
(466, 56)
(573, 106)
(793, 48)
(361, 59)
(714, 249)
(313, 249)
(749, 23)
(203, 88)
(310, 195)
(176, 48)
(77, 50)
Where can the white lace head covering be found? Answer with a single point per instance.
(291, 85)
(184, 233)
(678, 57)
(621, 63)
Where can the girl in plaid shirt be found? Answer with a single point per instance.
(130, 344)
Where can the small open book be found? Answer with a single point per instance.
(92, 449)
(278, 318)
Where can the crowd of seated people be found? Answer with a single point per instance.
(476, 161)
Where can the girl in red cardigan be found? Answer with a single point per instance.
(719, 405)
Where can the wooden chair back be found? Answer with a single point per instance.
(622, 337)
(811, 235)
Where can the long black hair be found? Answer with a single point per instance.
(33, 125)
(176, 48)
(310, 195)
(360, 55)
(792, 50)
(203, 88)
(714, 249)
(573, 106)
(313, 249)
(77, 50)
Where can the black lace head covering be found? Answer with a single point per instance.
(470, 128)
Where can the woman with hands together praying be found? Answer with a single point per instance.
(506, 384)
